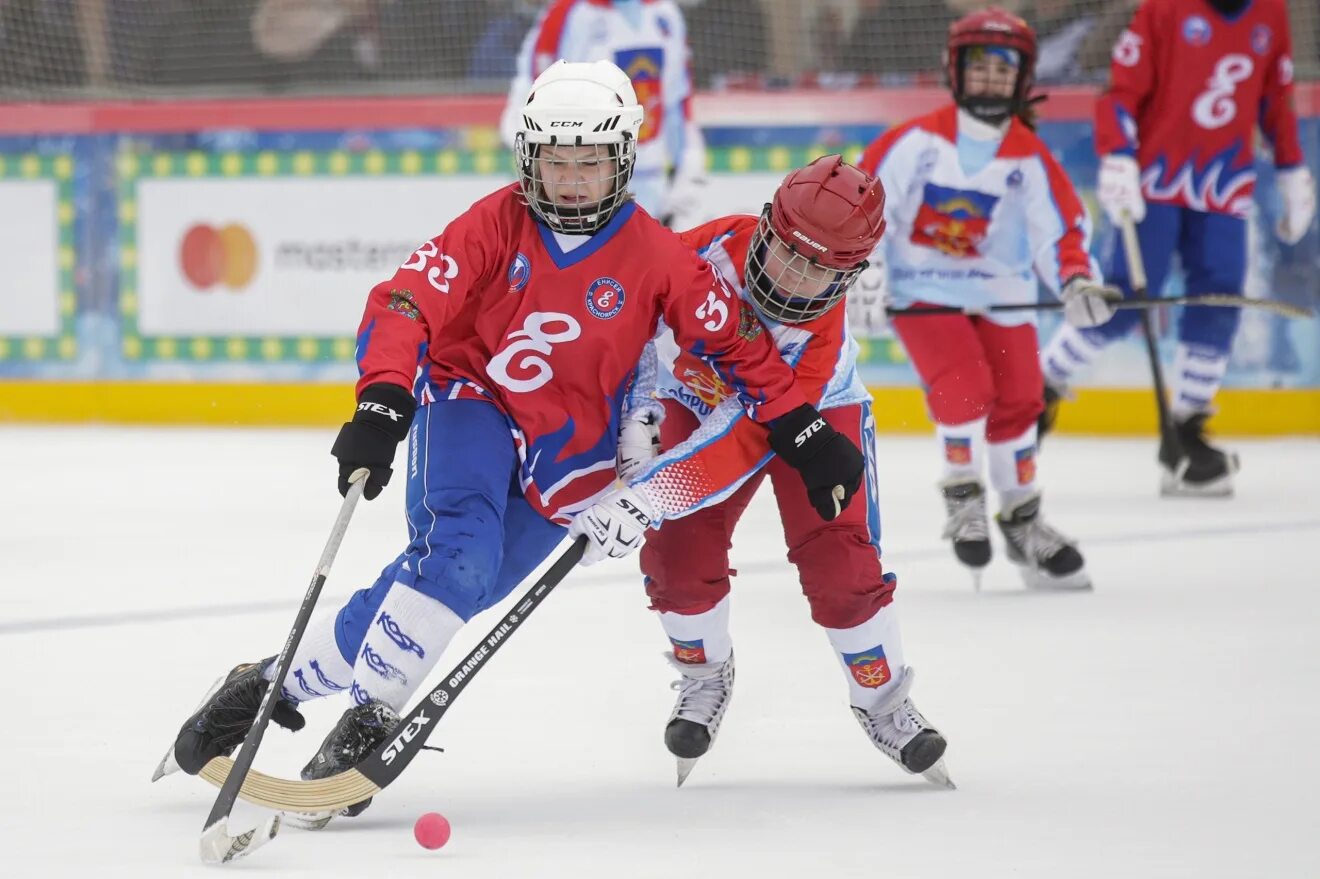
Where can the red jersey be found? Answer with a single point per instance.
(1188, 86)
(494, 309)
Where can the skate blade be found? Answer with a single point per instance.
(685, 767)
(308, 820)
(1034, 578)
(938, 775)
(1173, 484)
(168, 765)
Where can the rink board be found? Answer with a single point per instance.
(207, 261)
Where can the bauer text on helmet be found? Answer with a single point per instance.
(813, 239)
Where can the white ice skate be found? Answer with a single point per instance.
(704, 692)
(896, 727)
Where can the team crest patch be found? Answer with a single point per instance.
(869, 668)
(958, 449)
(693, 652)
(604, 298)
(520, 271)
(748, 326)
(1261, 39)
(1026, 464)
(953, 221)
(1196, 30)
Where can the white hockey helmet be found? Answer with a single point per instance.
(579, 105)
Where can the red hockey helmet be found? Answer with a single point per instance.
(998, 28)
(813, 240)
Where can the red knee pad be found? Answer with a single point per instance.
(842, 578)
(682, 583)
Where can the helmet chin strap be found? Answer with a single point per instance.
(1229, 7)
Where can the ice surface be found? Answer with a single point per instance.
(1164, 725)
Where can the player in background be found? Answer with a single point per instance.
(977, 209)
(793, 264)
(502, 351)
(648, 40)
(1189, 82)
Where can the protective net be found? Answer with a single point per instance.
(60, 48)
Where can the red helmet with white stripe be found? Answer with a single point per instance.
(813, 240)
(991, 28)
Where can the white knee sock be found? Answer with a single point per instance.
(1013, 467)
(318, 668)
(1066, 353)
(1198, 370)
(700, 637)
(402, 645)
(962, 446)
(871, 655)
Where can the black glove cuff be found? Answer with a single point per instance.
(388, 408)
(798, 435)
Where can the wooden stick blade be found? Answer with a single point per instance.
(287, 795)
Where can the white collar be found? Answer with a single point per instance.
(979, 129)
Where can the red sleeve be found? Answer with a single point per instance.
(723, 453)
(1278, 115)
(408, 310)
(712, 322)
(698, 238)
(1131, 79)
(545, 48)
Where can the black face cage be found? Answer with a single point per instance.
(583, 218)
(984, 107)
(787, 286)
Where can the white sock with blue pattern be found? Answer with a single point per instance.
(318, 668)
(402, 645)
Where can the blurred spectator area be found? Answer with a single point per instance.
(77, 48)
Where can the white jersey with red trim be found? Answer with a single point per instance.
(973, 219)
(647, 39)
(728, 447)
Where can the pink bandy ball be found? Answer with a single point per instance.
(431, 830)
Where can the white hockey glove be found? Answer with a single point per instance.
(615, 525)
(1297, 190)
(866, 301)
(1086, 303)
(639, 442)
(1119, 189)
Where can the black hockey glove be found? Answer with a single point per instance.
(830, 465)
(383, 417)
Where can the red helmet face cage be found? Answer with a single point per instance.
(813, 240)
(991, 27)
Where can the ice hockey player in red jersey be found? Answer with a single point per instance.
(978, 210)
(793, 264)
(502, 351)
(1190, 81)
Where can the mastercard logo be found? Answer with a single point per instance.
(211, 255)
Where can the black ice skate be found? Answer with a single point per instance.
(359, 732)
(1197, 469)
(896, 727)
(1045, 557)
(967, 526)
(222, 721)
(703, 697)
